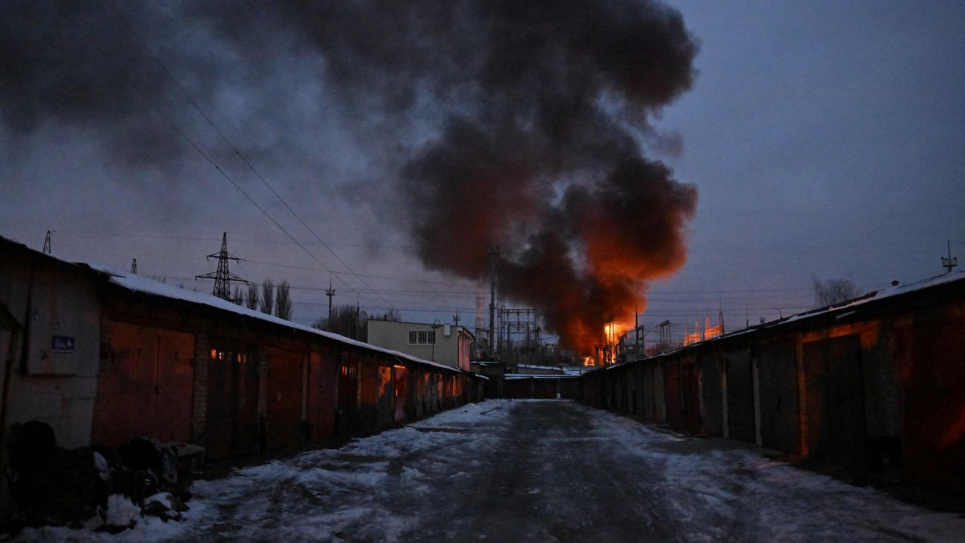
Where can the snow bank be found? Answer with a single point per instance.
(721, 489)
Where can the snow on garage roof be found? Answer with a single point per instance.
(136, 283)
(842, 310)
(151, 287)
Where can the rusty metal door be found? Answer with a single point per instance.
(401, 391)
(690, 399)
(741, 420)
(835, 400)
(145, 387)
(369, 392)
(231, 422)
(174, 386)
(321, 395)
(386, 396)
(125, 388)
(348, 390)
(284, 400)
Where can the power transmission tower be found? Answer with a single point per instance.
(134, 266)
(47, 243)
(222, 277)
(947, 262)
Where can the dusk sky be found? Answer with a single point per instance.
(823, 139)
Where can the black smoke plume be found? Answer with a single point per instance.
(542, 107)
(506, 123)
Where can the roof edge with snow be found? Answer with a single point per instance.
(136, 283)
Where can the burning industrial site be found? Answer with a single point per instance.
(540, 154)
(453, 235)
(523, 128)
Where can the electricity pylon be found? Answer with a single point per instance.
(222, 277)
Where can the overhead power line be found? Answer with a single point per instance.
(208, 159)
(240, 155)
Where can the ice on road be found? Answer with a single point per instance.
(534, 471)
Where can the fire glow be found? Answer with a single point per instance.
(522, 126)
(541, 112)
(544, 170)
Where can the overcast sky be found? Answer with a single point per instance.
(824, 140)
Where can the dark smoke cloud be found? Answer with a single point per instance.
(76, 64)
(538, 151)
(43, 76)
(505, 123)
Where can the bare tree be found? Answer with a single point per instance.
(267, 296)
(251, 299)
(238, 297)
(347, 321)
(283, 301)
(834, 291)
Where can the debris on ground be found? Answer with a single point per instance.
(94, 488)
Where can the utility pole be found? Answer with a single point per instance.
(636, 331)
(537, 331)
(435, 326)
(330, 292)
(947, 262)
(47, 243)
(222, 277)
(493, 254)
(503, 337)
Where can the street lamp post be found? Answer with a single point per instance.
(435, 326)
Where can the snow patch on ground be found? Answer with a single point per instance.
(121, 511)
(372, 488)
(729, 491)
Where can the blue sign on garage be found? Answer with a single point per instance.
(63, 344)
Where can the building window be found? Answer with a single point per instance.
(422, 338)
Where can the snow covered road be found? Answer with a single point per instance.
(534, 471)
